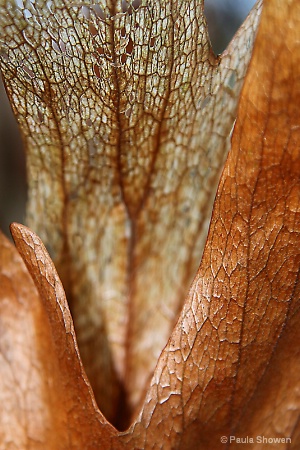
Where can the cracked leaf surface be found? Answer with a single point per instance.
(229, 368)
(126, 115)
(231, 364)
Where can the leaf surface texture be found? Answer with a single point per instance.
(231, 364)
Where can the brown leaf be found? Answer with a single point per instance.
(46, 399)
(126, 116)
(25, 375)
(230, 367)
(231, 364)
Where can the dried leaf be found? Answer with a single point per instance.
(46, 399)
(56, 399)
(230, 366)
(126, 115)
(25, 375)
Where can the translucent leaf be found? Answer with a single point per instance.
(230, 366)
(126, 116)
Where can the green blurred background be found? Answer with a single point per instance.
(224, 18)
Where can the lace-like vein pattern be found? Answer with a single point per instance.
(125, 114)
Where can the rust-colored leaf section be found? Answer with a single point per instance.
(55, 404)
(272, 119)
(232, 363)
(126, 116)
(26, 375)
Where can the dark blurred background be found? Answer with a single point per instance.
(224, 18)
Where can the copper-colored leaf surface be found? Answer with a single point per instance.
(223, 371)
(76, 420)
(230, 368)
(126, 115)
(25, 398)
